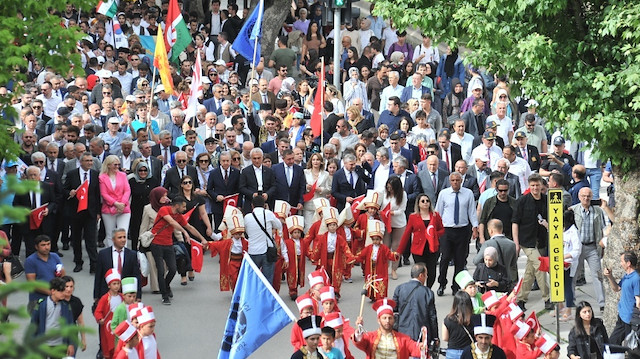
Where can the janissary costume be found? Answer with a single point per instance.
(230, 249)
(374, 259)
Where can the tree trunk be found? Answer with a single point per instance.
(275, 13)
(623, 236)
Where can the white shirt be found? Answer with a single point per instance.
(380, 178)
(389, 92)
(466, 144)
(521, 168)
(215, 23)
(355, 177)
(150, 347)
(504, 126)
(332, 238)
(374, 252)
(431, 54)
(236, 245)
(258, 172)
(494, 151)
(257, 238)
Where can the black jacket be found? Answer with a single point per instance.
(498, 273)
(580, 345)
(418, 310)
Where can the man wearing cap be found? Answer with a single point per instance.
(532, 106)
(526, 151)
(535, 133)
(488, 149)
(61, 116)
(417, 302)
(490, 126)
(385, 342)
(558, 162)
(311, 329)
(483, 334)
(517, 166)
(505, 125)
(113, 137)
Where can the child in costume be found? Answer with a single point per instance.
(311, 331)
(297, 249)
(375, 259)
(314, 230)
(281, 210)
(148, 346)
(526, 339)
(230, 249)
(353, 242)
(317, 279)
(305, 306)
(467, 284)
(129, 293)
(128, 334)
(104, 312)
(328, 300)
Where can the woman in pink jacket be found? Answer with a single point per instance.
(115, 192)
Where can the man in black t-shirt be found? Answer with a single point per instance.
(529, 227)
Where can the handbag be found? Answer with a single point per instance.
(272, 252)
(16, 266)
(144, 264)
(631, 340)
(146, 237)
(396, 315)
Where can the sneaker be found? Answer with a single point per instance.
(166, 301)
(580, 282)
(521, 305)
(406, 261)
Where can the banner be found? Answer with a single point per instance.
(36, 217)
(82, 194)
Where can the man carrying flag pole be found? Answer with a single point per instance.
(257, 313)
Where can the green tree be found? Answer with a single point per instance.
(34, 32)
(578, 59)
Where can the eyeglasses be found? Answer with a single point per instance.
(213, 74)
(187, 182)
(116, 164)
(38, 162)
(503, 96)
(181, 161)
(503, 190)
(135, 59)
(36, 107)
(144, 84)
(203, 161)
(424, 201)
(143, 170)
(238, 159)
(106, 93)
(526, 124)
(431, 152)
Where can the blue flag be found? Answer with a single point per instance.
(257, 313)
(245, 43)
(149, 45)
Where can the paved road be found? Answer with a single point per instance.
(194, 323)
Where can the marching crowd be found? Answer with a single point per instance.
(418, 156)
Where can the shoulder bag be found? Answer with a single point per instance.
(272, 252)
(146, 237)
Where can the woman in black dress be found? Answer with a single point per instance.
(141, 182)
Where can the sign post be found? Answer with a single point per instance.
(556, 251)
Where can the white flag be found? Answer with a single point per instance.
(196, 88)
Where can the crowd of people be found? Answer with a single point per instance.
(420, 155)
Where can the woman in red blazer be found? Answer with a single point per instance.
(115, 192)
(426, 226)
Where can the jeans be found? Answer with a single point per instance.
(568, 289)
(162, 254)
(265, 266)
(595, 175)
(454, 353)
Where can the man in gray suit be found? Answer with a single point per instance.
(433, 178)
(126, 155)
(506, 249)
(75, 163)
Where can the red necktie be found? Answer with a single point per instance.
(446, 156)
(119, 261)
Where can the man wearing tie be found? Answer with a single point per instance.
(263, 95)
(118, 257)
(457, 208)
(83, 223)
(433, 178)
(290, 180)
(349, 182)
(214, 104)
(152, 162)
(164, 149)
(173, 177)
(223, 181)
(449, 152)
(526, 151)
(488, 149)
(41, 195)
(257, 180)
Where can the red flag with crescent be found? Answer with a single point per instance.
(187, 216)
(82, 194)
(230, 200)
(517, 287)
(36, 217)
(385, 216)
(533, 322)
(355, 204)
(197, 256)
(309, 195)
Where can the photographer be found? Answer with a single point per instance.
(491, 275)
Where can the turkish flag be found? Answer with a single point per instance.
(309, 195)
(355, 204)
(82, 194)
(517, 288)
(187, 215)
(423, 152)
(36, 217)
(544, 264)
(385, 216)
(231, 200)
(197, 257)
(318, 105)
(533, 322)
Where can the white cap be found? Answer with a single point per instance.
(159, 87)
(295, 222)
(220, 62)
(346, 216)
(375, 228)
(104, 74)
(281, 208)
(532, 103)
(520, 329)
(372, 199)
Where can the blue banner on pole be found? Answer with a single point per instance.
(256, 314)
(245, 43)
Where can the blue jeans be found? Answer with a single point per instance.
(595, 175)
(265, 266)
(568, 289)
(454, 353)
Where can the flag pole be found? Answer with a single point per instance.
(153, 84)
(113, 36)
(322, 104)
(255, 51)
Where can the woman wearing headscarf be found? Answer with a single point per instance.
(157, 198)
(450, 67)
(141, 182)
(453, 101)
(354, 88)
(491, 274)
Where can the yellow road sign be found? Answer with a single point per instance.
(556, 250)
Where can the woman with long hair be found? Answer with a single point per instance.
(588, 336)
(457, 327)
(204, 168)
(356, 120)
(349, 62)
(333, 94)
(141, 183)
(199, 219)
(76, 310)
(396, 196)
(300, 96)
(115, 193)
(406, 73)
(314, 40)
(157, 199)
(315, 175)
(424, 229)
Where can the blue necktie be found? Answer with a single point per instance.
(351, 179)
(456, 209)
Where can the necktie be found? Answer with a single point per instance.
(181, 173)
(85, 177)
(289, 176)
(264, 98)
(446, 156)
(456, 209)
(433, 178)
(33, 200)
(489, 157)
(51, 165)
(149, 164)
(524, 153)
(226, 176)
(219, 104)
(119, 260)
(351, 179)
(166, 156)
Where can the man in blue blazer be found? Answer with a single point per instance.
(223, 181)
(395, 149)
(416, 90)
(290, 180)
(349, 182)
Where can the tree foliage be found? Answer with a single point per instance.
(578, 59)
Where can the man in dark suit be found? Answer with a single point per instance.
(257, 180)
(475, 118)
(410, 182)
(468, 181)
(173, 177)
(432, 149)
(119, 258)
(349, 182)
(414, 150)
(154, 163)
(33, 200)
(263, 95)
(214, 104)
(223, 181)
(164, 148)
(290, 181)
(527, 152)
(96, 147)
(416, 303)
(85, 220)
(414, 87)
(278, 155)
(431, 175)
(450, 152)
(396, 149)
(52, 162)
(331, 121)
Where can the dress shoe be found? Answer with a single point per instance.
(580, 282)
(441, 291)
(406, 262)
(77, 268)
(548, 305)
(59, 254)
(169, 293)
(101, 244)
(166, 301)
(521, 305)
(293, 297)
(65, 247)
(92, 269)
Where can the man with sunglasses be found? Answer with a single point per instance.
(173, 177)
(535, 133)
